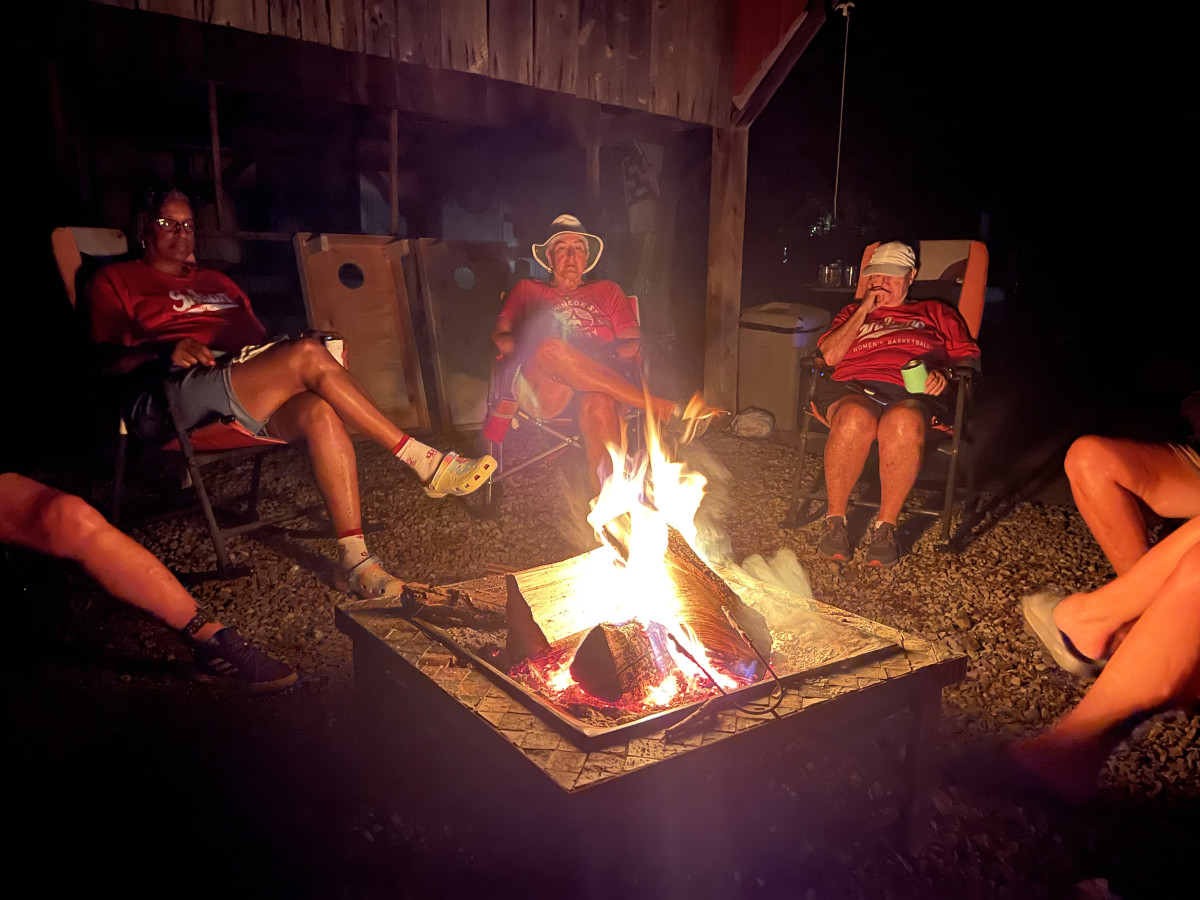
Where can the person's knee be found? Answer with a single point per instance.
(902, 426)
(552, 353)
(68, 525)
(598, 414)
(308, 357)
(316, 418)
(852, 419)
(1092, 457)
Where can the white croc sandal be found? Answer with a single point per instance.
(460, 475)
(370, 579)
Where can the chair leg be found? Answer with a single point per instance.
(960, 422)
(119, 473)
(255, 483)
(189, 456)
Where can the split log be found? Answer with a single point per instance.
(542, 609)
(706, 596)
(625, 660)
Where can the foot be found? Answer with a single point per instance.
(370, 579)
(460, 475)
(835, 544)
(226, 657)
(884, 549)
(1038, 610)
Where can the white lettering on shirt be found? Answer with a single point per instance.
(195, 302)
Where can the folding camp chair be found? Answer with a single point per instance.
(79, 252)
(954, 272)
(504, 414)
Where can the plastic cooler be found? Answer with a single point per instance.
(772, 340)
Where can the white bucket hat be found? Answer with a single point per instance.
(892, 258)
(568, 224)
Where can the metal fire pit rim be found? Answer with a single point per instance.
(596, 736)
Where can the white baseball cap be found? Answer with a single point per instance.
(892, 258)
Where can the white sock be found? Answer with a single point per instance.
(423, 458)
(352, 550)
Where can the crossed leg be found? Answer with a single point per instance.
(304, 393)
(1155, 667)
(1112, 477)
(857, 422)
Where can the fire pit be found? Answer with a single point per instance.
(640, 651)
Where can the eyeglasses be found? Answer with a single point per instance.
(174, 225)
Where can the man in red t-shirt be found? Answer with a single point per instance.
(161, 317)
(570, 338)
(867, 344)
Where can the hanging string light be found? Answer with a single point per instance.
(844, 8)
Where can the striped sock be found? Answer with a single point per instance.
(352, 549)
(422, 458)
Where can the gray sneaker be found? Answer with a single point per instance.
(835, 544)
(226, 658)
(884, 549)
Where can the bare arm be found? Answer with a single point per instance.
(502, 336)
(835, 345)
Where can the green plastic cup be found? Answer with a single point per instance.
(914, 374)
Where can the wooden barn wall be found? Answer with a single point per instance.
(670, 57)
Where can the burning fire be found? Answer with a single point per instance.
(637, 502)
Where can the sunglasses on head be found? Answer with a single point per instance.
(187, 226)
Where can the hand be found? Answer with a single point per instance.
(935, 382)
(870, 299)
(504, 343)
(190, 352)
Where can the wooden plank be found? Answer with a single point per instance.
(720, 105)
(379, 27)
(185, 8)
(394, 170)
(615, 63)
(639, 92)
(510, 40)
(285, 18)
(668, 54)
(418, 32)
(354, 27)
(726, 229)
(314, 21)
(464, 34)
(697, 61)
(591, 81)
(556, 45)
(248, 14)
(223, 218)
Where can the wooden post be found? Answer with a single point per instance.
(223, 222)
(593, 174)
(394, 169)
(726, 229)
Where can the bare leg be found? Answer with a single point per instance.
(308, 417)
(49, 521)
(901, 450)
(266, 382)
(853, 425)
(555, 364)
(601, 426)
(1109, 475)
(1156, 667)
(1092, 620)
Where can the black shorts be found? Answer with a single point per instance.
(940, 408)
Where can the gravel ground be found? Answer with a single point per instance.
(144, 776)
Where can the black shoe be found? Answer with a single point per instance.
(227, 658)
(836, 543)
(884, 549)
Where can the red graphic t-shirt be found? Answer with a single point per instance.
(594, 312)
(133, 303)
(892, 335)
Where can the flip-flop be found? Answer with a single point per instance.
(360, 583)
(1038, 610)
(460, 475)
